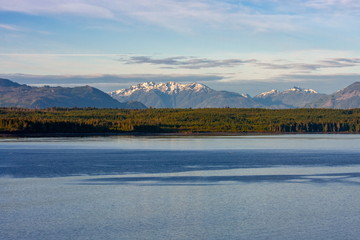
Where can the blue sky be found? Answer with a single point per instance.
(243, 46)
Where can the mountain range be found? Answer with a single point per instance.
(172, 95)
(196, 95)
(181, 95)
(13, 94)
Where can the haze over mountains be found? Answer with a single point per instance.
(172, 95)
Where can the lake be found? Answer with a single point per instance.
(183, 187)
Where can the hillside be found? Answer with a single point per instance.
(15, 95)
(346, 98)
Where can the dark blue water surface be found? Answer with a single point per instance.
(254, 187)
(70, 162)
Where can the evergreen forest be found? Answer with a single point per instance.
(185, 121)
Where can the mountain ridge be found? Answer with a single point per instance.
(182, 95)
(169, 88)
(197, 95)
(348, 97)
(172, 95)
(13, 94)
(294, 97)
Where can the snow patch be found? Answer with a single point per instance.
(168, 88)
(245, 95)
(271, 92)
(297, 89)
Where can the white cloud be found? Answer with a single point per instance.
(9, 27)
(187, 15)
(349, 4)
(252, 66)
(75, 7)
(183, 16)
(41, 55)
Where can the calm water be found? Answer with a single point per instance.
(252, 187)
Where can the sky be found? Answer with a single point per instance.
(246, 46)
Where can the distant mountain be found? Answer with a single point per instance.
(292, 98)
(346, 98)
(8, 83)
(171, 95)
(15, 95)
(181, 95)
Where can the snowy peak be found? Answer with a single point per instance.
(294, 89)
(147, 86)
(168, 88)
(310, 90)
(297, 89)
(275, 92)
(173, 87)
(271, 92)
(245, 95)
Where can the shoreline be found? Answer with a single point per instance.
(141, 134)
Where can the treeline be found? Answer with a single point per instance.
(219, 120)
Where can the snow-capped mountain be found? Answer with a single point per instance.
(196, 95)
(168, 88)
(291, 98)
(182, 95)
(300, 90)
(269, 93)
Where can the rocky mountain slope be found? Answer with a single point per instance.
(346, 98)
(15, 95)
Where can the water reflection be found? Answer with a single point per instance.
(299, 141)
(344, 178)
(70, 162)
(304, 187)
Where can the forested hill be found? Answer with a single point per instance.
(225, 120)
